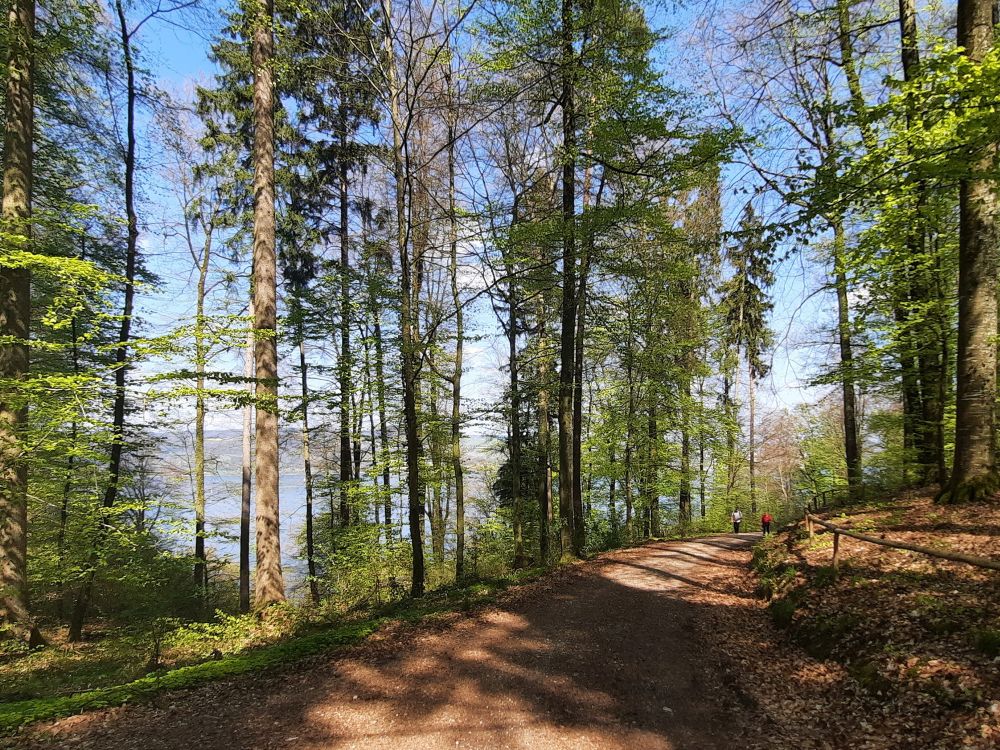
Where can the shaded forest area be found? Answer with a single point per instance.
(494, 285)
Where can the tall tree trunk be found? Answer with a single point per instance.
(702, 476)
(246, 470)
(269, 582)
(579, 516)
(652, 466)
(456, 378)
(852, 447)
(515, 418)
(920, 370)
(925, 340)
(357, 408)
(612, 488)
(307, 465)
(544, 439)
(200, 362)
(70, 472)
(567, 349)
(752, 393)
(344, 361)
(407, 317)
(85, 593)
(629, 421)
(974, 471)
(437, 468)
(383, 428)
(15, 317)
(684, 493)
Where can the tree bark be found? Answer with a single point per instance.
(246, 470)
(544, 438)
(200, 359)
(407, 316)
(307, 466)
(344, 361)
(15, 317)
(702, 477)
(567, 349)
(852, 448)
(269, 585)
(974, 472)
(515, 418)
(85, 593)
(456, 378)
(629, 420)
(753, 448)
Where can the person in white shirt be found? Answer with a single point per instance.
(737, 519)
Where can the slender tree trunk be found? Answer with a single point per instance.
(246, 471)
(922, 409)
(752, 393)
(702, 477)
(68, 484)
(200, 362)
(410, 342)
(437, 506)
(357, 408)
(456, 378)
(629, 421)
(567, 437)
(544, 439)
(372, 430)
(344, 361)
(684, 493)
(612, 487)
(974, 470)
(515, 419)
(652, 467)
(383, 428)
(579, 516)
(852, 448)
(15, 317)
(269, 584)
(930, 441)
(83, 598)
(307, 465)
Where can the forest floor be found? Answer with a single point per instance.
(668, 645)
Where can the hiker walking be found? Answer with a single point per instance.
(765, 524)
(737, 519)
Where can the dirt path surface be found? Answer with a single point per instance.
(609, 654)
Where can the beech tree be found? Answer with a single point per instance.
(15, 315)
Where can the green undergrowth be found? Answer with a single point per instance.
(259, 659)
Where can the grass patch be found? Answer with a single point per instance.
(867, 675)
(987, 640)
(820, 636)
(783, 611)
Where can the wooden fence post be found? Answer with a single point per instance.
(836, 552)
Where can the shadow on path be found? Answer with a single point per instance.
(606, 657)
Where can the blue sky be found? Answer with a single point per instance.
(179, 56)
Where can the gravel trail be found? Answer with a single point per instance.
(607, 655)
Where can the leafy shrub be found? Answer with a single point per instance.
(987, 640)
(782, 611)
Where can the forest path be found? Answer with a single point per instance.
(606, 655)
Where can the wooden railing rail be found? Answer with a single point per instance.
(811, 521)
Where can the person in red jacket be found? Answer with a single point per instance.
(765, 524)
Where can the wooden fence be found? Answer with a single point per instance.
(811, 521)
